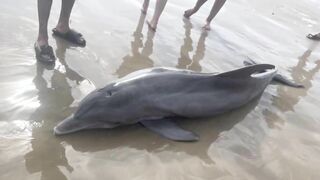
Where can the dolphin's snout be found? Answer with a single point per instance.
(56, 131)
(67, 126)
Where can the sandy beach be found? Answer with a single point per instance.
(275, 137)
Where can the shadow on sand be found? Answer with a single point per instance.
(136, 136)
(185, 61)
(300, 74)
(140, 53)
(55, 97)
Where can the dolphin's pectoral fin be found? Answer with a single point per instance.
(169, 129)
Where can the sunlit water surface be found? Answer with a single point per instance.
(276, 137)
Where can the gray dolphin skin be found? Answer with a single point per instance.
(155, 97)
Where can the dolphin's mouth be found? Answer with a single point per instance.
(67, 126)
(267, 72)
(72, 124)
(57, 132)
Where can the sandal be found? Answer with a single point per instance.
(44, 53)
(71, 36)
(314, 36)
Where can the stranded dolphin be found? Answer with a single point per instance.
(153, 97)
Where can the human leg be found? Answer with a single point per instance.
(214, 11)
(44, 7)
(193, 10)
(145, 6)
(63, 30)
(160, 4)
(44, 52)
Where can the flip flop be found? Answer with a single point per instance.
(44, 53)
(314, 36)
(71, 36)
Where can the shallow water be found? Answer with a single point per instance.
(275, 137)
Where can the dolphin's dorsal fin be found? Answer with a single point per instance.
(249, 62)
(167, 128)
(246, 71)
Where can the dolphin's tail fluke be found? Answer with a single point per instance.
(283, 80)
(277, 78)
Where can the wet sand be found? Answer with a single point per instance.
(275, 137)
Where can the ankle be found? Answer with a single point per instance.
(154, 21)
(194, 10)
(42, 40)
(63, 27)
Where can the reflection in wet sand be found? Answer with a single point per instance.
(208, 130)
(54, 95)
(301, 74)
(235, 145)
(184, 61)
(140, 58)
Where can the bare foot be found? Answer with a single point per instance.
(188, 13)
(152, 25)
(206, 27)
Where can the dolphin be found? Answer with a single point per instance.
(155, 97)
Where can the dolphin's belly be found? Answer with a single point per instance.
(196, 105)
(204, 105)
